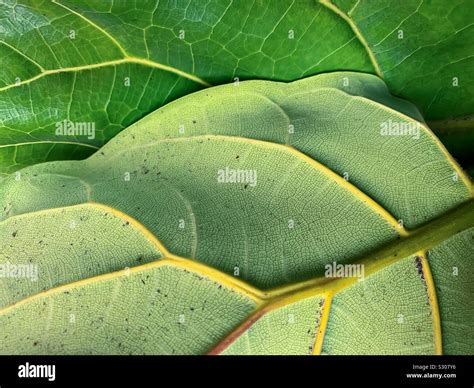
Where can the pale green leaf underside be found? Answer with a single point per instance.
(300, 215)
(68, 245)
(451, 264)
(377, 315)
(158, 311)
(109, 63)
(175, 174)
(289, 330)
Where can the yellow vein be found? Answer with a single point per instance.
(433, 298)
(216, 275)
(127, 58)
(23, 55)
(355, 29)
(63, 70)
(96, 26)
(169, 258)
(457, 168)
(426, 237)
(422, 239)
(318, 344)
(267, 305)
(49, 142)
(147, 62)
(355, 191)
(94, 205)
(166, 261)
(133, 222)
(144, 62)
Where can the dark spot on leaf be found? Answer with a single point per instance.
(419, 266)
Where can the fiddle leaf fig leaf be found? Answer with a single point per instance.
(320, 216)
(75, 73)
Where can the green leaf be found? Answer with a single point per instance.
(419, 48)
(123, 314)
(318, 183)
(73, 243)
(452, 273)
(107, 64)
(290, 329)
(398, 296)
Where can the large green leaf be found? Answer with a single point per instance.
(320, 184)
(108, 63)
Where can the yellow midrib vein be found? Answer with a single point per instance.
(270, 299)
(422, 238)
(133, 60)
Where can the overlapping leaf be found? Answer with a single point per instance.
(108, 63)
(243, 259)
